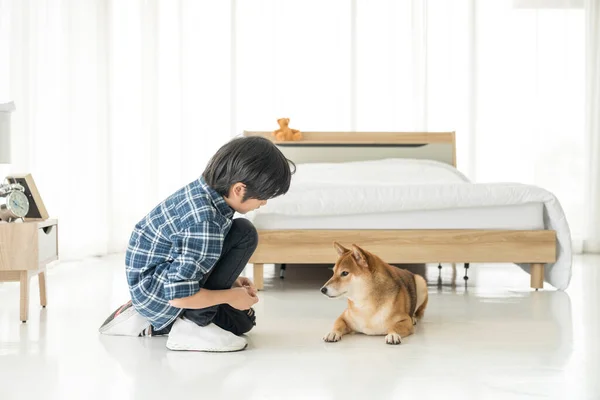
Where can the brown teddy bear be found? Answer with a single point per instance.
(284, 133)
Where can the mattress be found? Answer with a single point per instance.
(363, 187)
(518, 217)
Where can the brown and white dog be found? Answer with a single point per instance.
(382, 300)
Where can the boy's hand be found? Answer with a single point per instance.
(242, 298)
(251, 291)
(243, 281)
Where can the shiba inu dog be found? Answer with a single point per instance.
(382, 300)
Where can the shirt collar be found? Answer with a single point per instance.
(217, 200)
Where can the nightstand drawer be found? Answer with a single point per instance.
(24, 246)
(48, 244)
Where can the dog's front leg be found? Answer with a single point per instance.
(400, 329)
(340, 328)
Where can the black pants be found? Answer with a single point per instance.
(238, 246)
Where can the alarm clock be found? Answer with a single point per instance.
(13, 202)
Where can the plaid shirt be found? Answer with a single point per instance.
(173, 247)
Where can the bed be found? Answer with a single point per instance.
(400, 196)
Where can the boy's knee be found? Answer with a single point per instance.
(246, 231)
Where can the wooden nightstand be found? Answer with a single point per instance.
(25, 250)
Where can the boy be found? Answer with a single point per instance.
(184, 258)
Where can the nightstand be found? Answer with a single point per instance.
(26, 248)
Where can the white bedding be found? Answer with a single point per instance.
(396, 185)
(528, 216)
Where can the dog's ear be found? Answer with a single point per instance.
(360, 256)
(341, 250)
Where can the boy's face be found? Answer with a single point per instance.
(236, 201)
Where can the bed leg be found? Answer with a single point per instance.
(282, 271)
(258, 276)
(537, 276)
(466, 278)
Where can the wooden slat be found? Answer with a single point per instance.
(378, 138)
(15, 275)
(408, 246)
(453, 149)
(10, 276)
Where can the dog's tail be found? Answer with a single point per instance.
(421, 310)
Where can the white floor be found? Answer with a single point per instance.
(494, 340)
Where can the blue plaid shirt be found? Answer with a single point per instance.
(173, 247)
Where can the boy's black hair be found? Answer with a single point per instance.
(256, 162)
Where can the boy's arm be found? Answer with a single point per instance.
(240, 298)
(203, 299)
(198, 248)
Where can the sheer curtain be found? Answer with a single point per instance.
(530, 94)
(592, 126)
(120, 103)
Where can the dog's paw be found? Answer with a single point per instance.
(414, 320)
(393, 338)
(332, 337)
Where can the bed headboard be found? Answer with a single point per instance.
(363, 146)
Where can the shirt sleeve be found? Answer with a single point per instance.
(197, 250)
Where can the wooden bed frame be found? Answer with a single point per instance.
(401, 246)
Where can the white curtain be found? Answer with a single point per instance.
(592, 125)
(121, 102)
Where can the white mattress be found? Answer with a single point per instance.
(518, 217)
(365, 187)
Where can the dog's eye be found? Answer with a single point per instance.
(344, 273)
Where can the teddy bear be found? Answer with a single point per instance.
(284, 133)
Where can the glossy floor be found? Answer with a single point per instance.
(495, 339)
